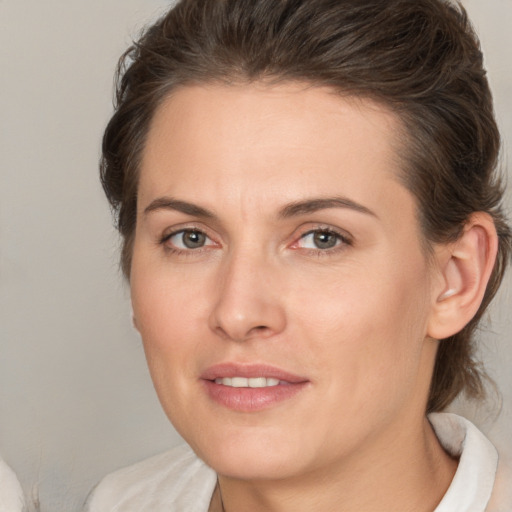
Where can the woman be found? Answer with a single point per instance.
(312, 229)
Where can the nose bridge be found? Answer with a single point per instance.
(247, 299)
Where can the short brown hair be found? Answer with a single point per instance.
(420, 58)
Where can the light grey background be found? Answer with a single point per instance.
(76, 400)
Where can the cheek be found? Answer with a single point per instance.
(367, 328)
(163, 301)
(169, 320)
(169, 317)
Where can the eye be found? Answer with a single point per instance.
(322, 239)
(187, 239)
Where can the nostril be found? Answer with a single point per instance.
(258, 330)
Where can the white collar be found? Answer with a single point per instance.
(472, 485)
(11, 496)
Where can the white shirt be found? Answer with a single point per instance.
(11, 495)
(177, 481)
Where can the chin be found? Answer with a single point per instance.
(250, 457)
(251, 466)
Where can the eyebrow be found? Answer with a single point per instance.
(313, 205)
(294, 209)
(168, 203)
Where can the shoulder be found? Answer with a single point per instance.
(172, 481)
(11, 495)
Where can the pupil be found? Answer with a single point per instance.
(324, 240)
(193, 239)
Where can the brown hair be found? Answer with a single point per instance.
(420, 58)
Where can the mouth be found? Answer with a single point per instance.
(251, 388)
(243, 382)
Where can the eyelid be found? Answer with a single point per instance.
(183, 228)
(184, 232)
(171, 230)
(345, 239)
(170, 234)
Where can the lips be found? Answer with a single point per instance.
(250, 388)
(250, 371)
(244, 382)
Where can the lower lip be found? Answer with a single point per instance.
(252, 399)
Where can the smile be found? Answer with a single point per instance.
(250, 388)
(243, 382)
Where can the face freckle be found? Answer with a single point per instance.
(305, 267)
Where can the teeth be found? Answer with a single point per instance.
(242, 382)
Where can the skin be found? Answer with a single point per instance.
(352, 319)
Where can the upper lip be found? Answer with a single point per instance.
(250, 371)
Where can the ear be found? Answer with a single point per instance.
(465, 267)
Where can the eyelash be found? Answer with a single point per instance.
(183, 252)
(341, 243)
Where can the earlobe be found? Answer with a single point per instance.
(465, 268)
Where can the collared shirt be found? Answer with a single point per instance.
(11, 496)
(473, 483)
(178, 481)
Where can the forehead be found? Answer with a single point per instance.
(253, 139)
(258, 109)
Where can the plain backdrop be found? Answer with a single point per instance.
(76, 400)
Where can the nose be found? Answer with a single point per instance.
(249, 303)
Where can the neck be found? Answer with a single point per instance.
(406, 471)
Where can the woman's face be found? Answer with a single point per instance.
(278, 278)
